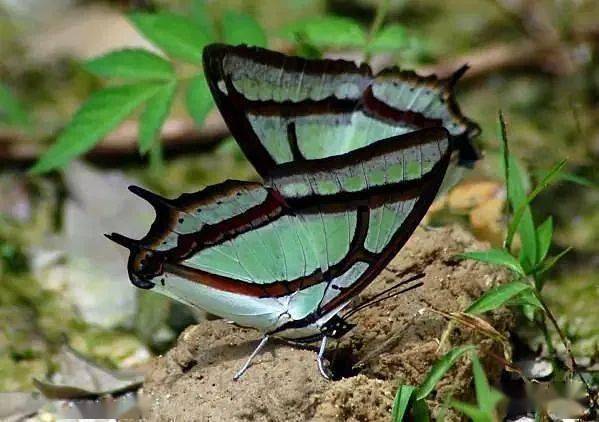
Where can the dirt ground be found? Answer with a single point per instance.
(395, 341)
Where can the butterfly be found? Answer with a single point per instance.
(350, 161)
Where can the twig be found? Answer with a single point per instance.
(381, 12)
(178, 135)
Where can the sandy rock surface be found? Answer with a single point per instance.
(395, 341)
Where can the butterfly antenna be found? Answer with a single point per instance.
(123, 240)
(388, 294)
(456, 76)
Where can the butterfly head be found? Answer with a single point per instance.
(144, 265)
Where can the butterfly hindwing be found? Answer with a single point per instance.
(243, 251)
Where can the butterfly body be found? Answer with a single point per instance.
(351, 162)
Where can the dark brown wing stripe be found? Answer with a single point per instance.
(283, 287)
(377, 149)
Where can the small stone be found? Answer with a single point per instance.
(564, 409)
(536, 369)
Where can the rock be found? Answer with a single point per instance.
(395, 341)
(564, 409)
(536, 369)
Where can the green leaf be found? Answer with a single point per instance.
(579, 180)
(525, 225)
(421, 412)
(11, 110)
(176, 35)
(198, 99)
(497, 297)
(131, 64)
(544, 235)
(99, 115)
(473, 412)
(305, 49)
(200, 16)
(154, 116)
(570, 177)
(524, 208)
(487, 397)
(516, 192)
(439, 369)
(526, 298)
(240, 28)
(402, 402)
(392, 37)
(550, 262)
(496, 257)
(329, 31)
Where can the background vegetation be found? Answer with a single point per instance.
(120, 85)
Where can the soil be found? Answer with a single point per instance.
(396, 341)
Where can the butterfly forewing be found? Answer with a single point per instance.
(286, 109)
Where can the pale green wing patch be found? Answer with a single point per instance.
(377, 168)
(384, 222)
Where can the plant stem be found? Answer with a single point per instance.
(381, 12)
(542, 325)
(156, 159)
(565, 342)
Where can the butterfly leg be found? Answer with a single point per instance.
(252, 356)
(322, 367)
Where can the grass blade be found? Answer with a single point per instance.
(439, 369)
(473, 412)
(486, 396)
(516, 185)
(526, 298)
(549, 263)
(505, 151)
(497, 297)
(496, 257)
(544, 236)
(401, 403)
(523, 207)
(421, 411)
